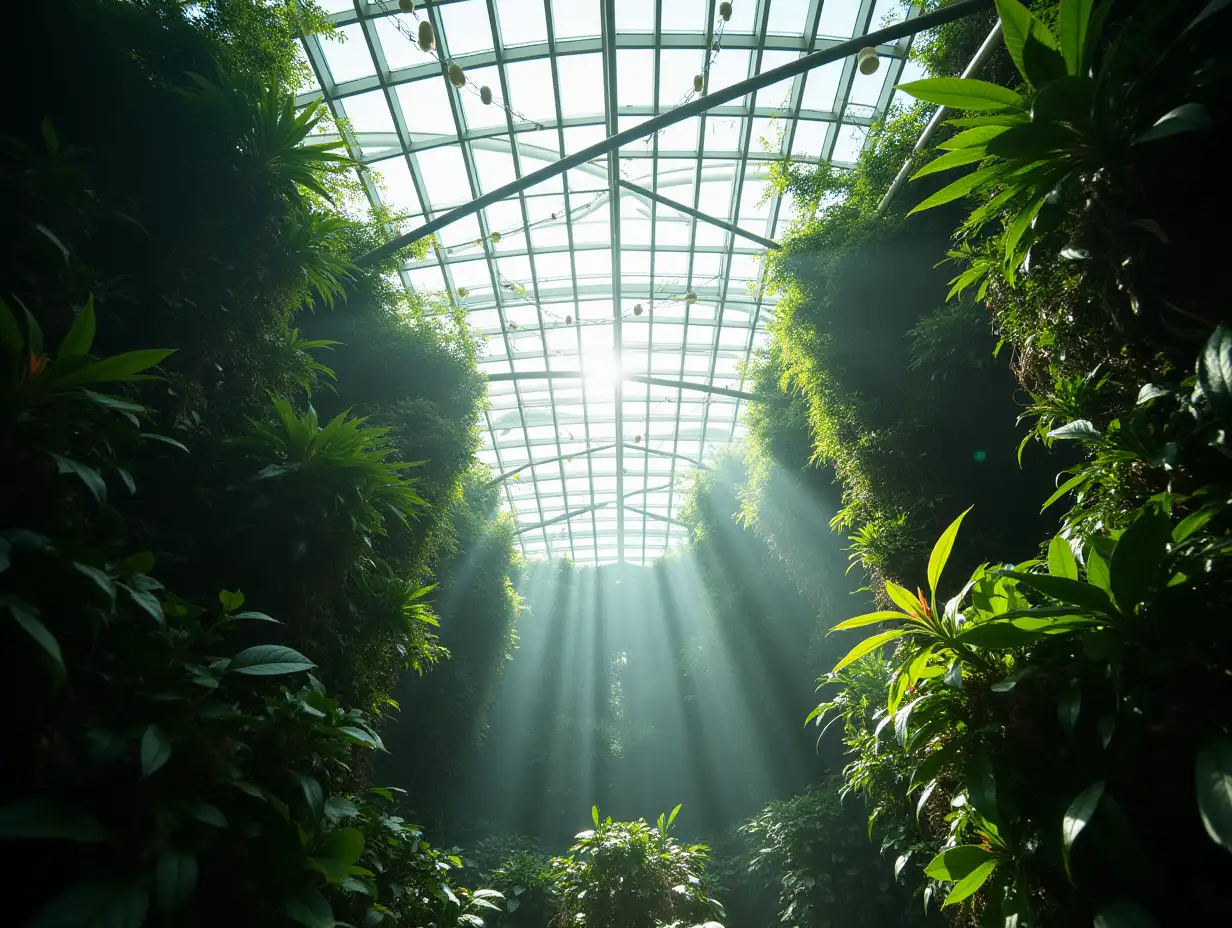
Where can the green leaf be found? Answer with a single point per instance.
(594, 815)
(175, 880)
(155, 750)
(256, 617)
(1078, 430)
(1069, 705)
(10, 335)
(117, 368)
(1188, 117)
(338, 809)
(1123, 914)
(230, 601)
(34, 333)
(978, 138)
(1073, 592)
(27, 618)
(871, 618)
(1072, 23)
(1137, 559)
(81, 336)
(903, 598)
(971, 882)
(1017, 23)
(147, 601)
(359, 736)
(41, 820)
(1043, 62)
(95, 905)
(1215, 372)
(314, 796)
(1061, 560)
(941, 551)
(208, 814)
(965, 185)
(269, 660)
(997, 635)
(1213, 775)
(1077, 816)
(958, 862)
(868, 645)
(310, 909)
(982, 783)
(1097, 571)
(98, 577)
(1215, 6)
(1064, 488)
(951, 160)
(962, 93)
(346, 845)
(88, 475)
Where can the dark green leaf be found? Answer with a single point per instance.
(1213, 774)
(1069, 704)
(1074, 592)
(10, 335)
(313, 794)
(81, 336)
(154, 436)
(256, 617)
(1137, 559)
(1061, 560)
(1017, 23)
(1215, 372)
(155, 750)
(95, 905)
(1078, 815)
(175, 880)
(360, 736)
(28, 619)
(231, 601)
(41, 820)
(147, 601)
(996, 635)
(1044, 64)
(338, 809)
(346, 844)
(962, 94)
(117, 368)
(209, 815)
(268, 660)
(1188, 117)
(310, 909)
(1215, 6)
(88, 475)
(982, 784)
(1008, 684)
(1034, 142)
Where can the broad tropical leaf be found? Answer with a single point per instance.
(868, 645)
(962, 93)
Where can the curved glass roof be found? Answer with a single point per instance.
(591, 277)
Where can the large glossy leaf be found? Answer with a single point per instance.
(1061, 560)
(977, 137)
(155, 750)
(1188, 117)
(941, 551)
(964, 186)
(956, 863)
(1072, 21)
(310, 909)
(951, 160)
(903, 598)
(971, 882)
(118, 368)
(962, 93)
(346, 844)
(1215, 372)
(269, 660)
(868, 645)
(1043, 62)
(42, 820)
(1213, 775)
(1137, 559)
(86, 474)
(1078, 816)
(175, 880)
(1017, 22)
(996, 635)
(1073, 592)
(28, 619)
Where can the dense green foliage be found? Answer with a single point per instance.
(186, 757)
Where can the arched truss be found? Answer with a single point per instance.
(595, 270)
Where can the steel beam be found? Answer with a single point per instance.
(698, 214)
(637, 378)
(693, 108)
(509, 474)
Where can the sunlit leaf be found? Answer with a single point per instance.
(970, 883)
(941, 551)
(871, 618)
(1213, 775)
(1061, 560)
(962, 93)
(1078, 816)
(868, 645)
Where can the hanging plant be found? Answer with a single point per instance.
(569, 320)
(725, 11)
(485, 95)
(496, 237)
(690, 297)
(637, 310)
(456, 76)
(427, 38)
(699, 83)
(463, 292)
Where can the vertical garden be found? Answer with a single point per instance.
(948, 642)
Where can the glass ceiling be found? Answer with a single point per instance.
(581, 276)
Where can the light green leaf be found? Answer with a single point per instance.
(871, 618)
(958, 862)
(1061, 560)
(346, 845)
(41, 820)
(81, 336)
(1072, 23)
(1017, 22)
(1097, 571)
(1073, 592)
(903, 598)
(1213, 775)
(962, 93)
(941, 552)
(950, 160)
(1064, 488)
(868, 645)
(1078, 815)
(971, 882)
(965, 185)
(155, 750)
(269, 660)
(229, 600)
(977, 137)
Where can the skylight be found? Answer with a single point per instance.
(573, 297)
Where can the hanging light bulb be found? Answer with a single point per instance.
(867, 60)
(699, 83)
(637, 310)
(569, 320)
(427, 38)
(463, 292)
(725, 11)
(485, 95)
(406, 6)
(690, 297)
(456, 77)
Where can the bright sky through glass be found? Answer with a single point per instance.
(559, 282)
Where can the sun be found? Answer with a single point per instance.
(601, 371)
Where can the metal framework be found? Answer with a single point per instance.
(616, 322)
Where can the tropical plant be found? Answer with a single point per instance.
(526, 881)
(632, 875)
(302, 364)
(1080, 115)
(396, 606)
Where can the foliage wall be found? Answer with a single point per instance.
(234, 467)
